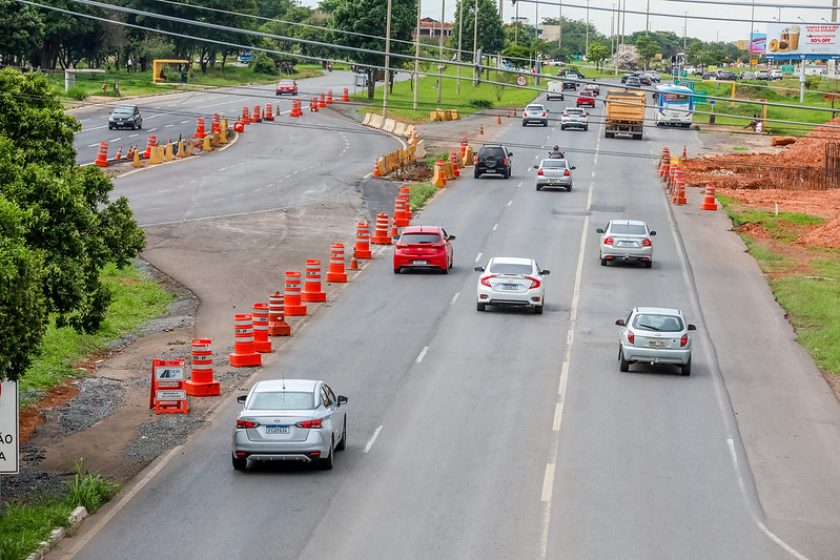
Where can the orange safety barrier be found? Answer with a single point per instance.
(269, 112)
(216, 127)
(336, 272)
(292, 305)
(322, 102)
(118, 157)
(380, 234)
(239, 126)
(246, 116)
(312, 282)
(684, 155)
(666, 155)
(400, 219)
(277, 325)
(201, 383)
(405, 191)
(329, 97)
(346, 97)
(243, 354)
(296, 109)
(259, 314)
(257, 114)
(709, 202)
(439, 175)
(199, 127)
(362, 241)
(150, 144)
(376, 172)
(102, 156)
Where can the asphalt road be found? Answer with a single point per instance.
(487, 435)
(174, 115)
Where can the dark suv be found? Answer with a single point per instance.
(493, 159)
(125, 116)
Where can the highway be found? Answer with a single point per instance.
(484, 435)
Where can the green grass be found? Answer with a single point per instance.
(136, 300)
(420, 193)
(140, 83)
(401, 99)
(785, 227)
(23, 526)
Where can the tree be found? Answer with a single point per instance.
(369, 17)
(59, 228)
(647, 48)
(491, 37)
(598, 52)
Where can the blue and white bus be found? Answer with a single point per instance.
(674, 105)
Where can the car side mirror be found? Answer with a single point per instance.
(574, 167)
(653, 232)
(241, 399)
(536, 167)
(621, 323)
(545, 272)
(599, 230)
(692, 327)
(342, 400)
(479, 269)
(510, 153)
(451, 237)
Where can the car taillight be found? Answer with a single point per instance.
(310, 424)
(245, 424)
(534, 282)
(631, 338)
(505, 161)
(486, 281)
(477, 160)
(540, 172)
(684, 340)
(566, 172)
(646, 243)
(544, 114)
(608, 241)
(524, 113)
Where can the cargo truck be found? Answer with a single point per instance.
(625, 113)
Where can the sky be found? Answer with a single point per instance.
(738, 26)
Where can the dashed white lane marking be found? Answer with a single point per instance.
(495, 227)
(510, 202)
(422, 354)
(152, 117)
(454, 298)
(152, 129)
(168, 126)
(93, 145)
(519, 184)
(478, 257)
(369, 444)
(558, 417)
(183, 122)
(133, 135)
(548, 482)
(117, 139)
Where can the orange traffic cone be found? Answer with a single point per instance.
(395, 233)
(354, 263)
(118, 157)
(498, 119)
(709, 202)
(102, 156)
(481, 129)
(346, 97)
(684, 156)
(376, 169)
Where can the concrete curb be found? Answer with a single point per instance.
(75, 519)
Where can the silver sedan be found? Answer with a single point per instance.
(655, 335)
(554, 173)
(626, 241)
(290, 420)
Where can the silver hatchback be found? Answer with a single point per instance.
(290, 420)
(626, 241)
(655, 335)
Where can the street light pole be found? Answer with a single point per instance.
(560, 28)
(460, 34)
(387, 62)
(752, 25)
(586, 48)
(475, 38)
(440, 50)
(647, 18)
(416, 59)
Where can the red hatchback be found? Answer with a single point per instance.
(286, 86)
(585, 98)
(423, 247)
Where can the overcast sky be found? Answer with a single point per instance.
(737, 27)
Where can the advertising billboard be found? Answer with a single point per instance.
(758, 43)
(786, 40)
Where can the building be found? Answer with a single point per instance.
(432, 28)
(549, 33)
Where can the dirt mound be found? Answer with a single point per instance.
(816, 203)
(824, 235)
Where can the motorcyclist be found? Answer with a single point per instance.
(556, 153)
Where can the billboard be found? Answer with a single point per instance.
(803, 40)
(758, 43)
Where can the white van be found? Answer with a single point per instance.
(554, 90)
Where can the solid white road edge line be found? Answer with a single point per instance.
(454, 298)
(369, 444)
(422, 354)
(478, 257)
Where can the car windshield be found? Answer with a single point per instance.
(281, 400)
(510, 268)
(413, 238)
(658, 323)
(554, 163)
(629, 229)
(124, 111)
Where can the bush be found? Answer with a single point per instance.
(262, 64)
(432, 158)
(90, 490)
(481, 103)
(77, 92)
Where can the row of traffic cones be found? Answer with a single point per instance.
(671, 174)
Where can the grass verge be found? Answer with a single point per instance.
(23, 526)
(804, 280)
(420, 193)
(137, 299)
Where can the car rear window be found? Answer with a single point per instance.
(287, 83)
(281, 400)
(629, 229)
(658, 323)
(575, 112)
(510, 268)
(554, 163)
(494, 152)
(535, 108)
(413, 238)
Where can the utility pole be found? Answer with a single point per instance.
(416, 59)
(647, 18)
(833, 10)
(685, 32)
(502, 11)
(752, 25)
(586, 48)
(460, 35)
(612, 31)
(475, 38)
(537, 54)
(440, 51)
(387, 62)
(516, 26)
(560, 27)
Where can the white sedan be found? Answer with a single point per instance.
(511, 281)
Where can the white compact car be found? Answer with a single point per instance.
(511, 281)
(655, 336)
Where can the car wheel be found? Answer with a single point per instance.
(538, 310)
(327, 464)
(569, 188)
(140, 126)
(623, 365)
(343, 443)
(603, 261)
(539, 188)
(110, 128)
(585, 128)
(445, 270)
(397, 270)
(523, 124)
(480, 306)
(562, 127)
(686, 369)
(648, 264)
(240, 464)
(476, 174)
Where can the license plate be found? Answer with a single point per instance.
(277, 429)
(420, 262)
(510, 287)
(656, 343)
(626, 244)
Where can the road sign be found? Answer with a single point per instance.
(522, 81)
(9, 428)
(167, 393)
